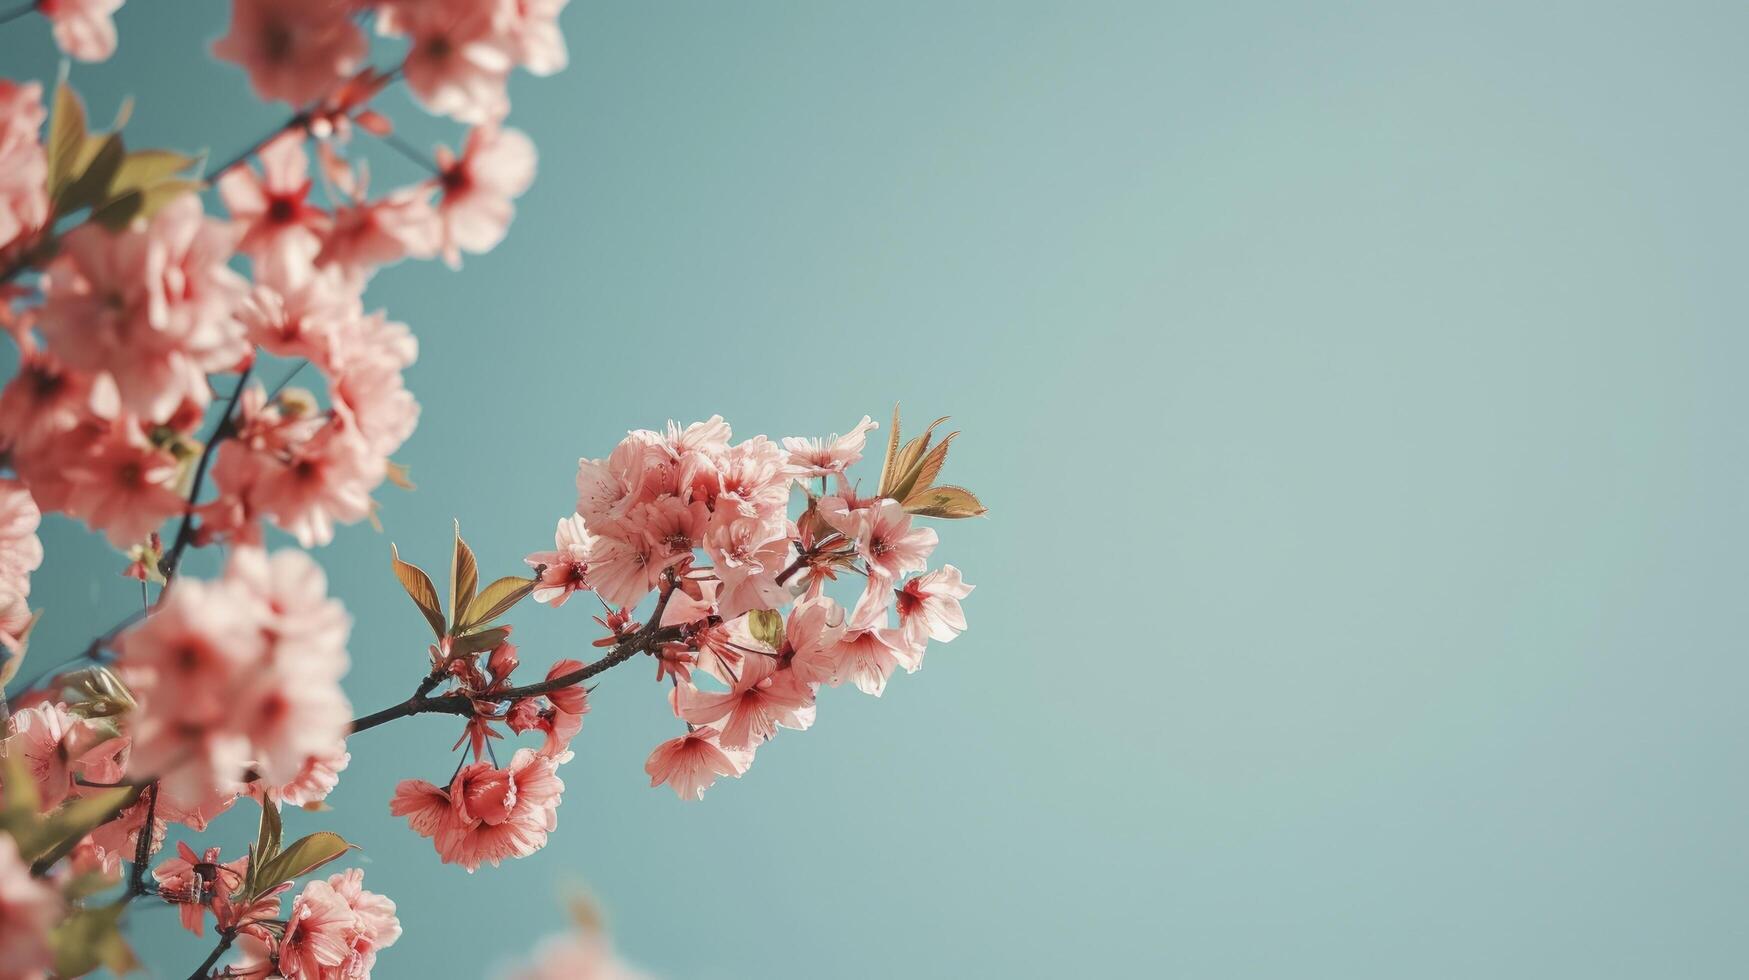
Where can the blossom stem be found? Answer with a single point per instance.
(201, 972)
(143, 846)
(185, 531)
(17, 12)
(295, 122)
(420, 704)
(407, 150)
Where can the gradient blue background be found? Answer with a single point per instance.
(1357, 389)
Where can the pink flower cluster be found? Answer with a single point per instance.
(648, 512)
(334, 931)
(239, 677)
(460, 52)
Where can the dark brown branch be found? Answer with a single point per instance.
(185, 531)
(204, 970)
(143, 846)
(460, 704)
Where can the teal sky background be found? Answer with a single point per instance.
(1357, 389)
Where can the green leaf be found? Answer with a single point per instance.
(267, 836)
(496, 599)
(419, 588)
(478, 642)
(949, 502)
(141, 204)
(143, 168)
(66, 138)
(95, 692)
(90, 187)
(305, 855)
(464, 578)
(90, 938)
(58, 832)
(21, 799)
(766, 625)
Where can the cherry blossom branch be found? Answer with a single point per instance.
(143, 846)
(455, 704)
(185, 531)
(297, 121)
(17, 12)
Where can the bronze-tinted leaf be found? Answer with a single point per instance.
(478, 642)
(891, 458)
(464, 578)
(909, 464)
(496, 599)
(419, 587)
(400, 475)
(949, 502)
(932, 463)
(305, 855)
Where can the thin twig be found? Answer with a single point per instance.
(201, 972)
(185, 531)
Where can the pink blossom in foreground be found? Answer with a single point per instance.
(474, 208)
(29, 908)
(486, 814)
(531, 32)
(57, 747)
(335, 930)
(457, 61)
(124, 486)
(24, 202)
(293, 50)
(755, 706)
(242, 672)
(565, 569)
(691, 763)
(929, 606)
(312, 784)
(84, 29)
(150, 305)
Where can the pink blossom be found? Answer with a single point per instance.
(576, 956)
(762, 699)
(293, 50)
(312, 784)
(531, 32)
(691, 763)
(195, 882)
(45, 400)
(21, 552)
(486, 814)
(374, 925)
(883, 535)
(124, 486)
(474, 210)
(84, 29)
(321, 481)
(150, 305)
(24, 202)
(303, 317)
(29, 908)
(929, 606)
(282, 230)
(366, 382)
(748, 554)
(813, 636)
(57, 746)
(457, 61)
(317, 934)
(824, 457)
(565, 569)
(867, 657)
(366, 234)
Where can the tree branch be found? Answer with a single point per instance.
(185, 531)
(201, 972)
